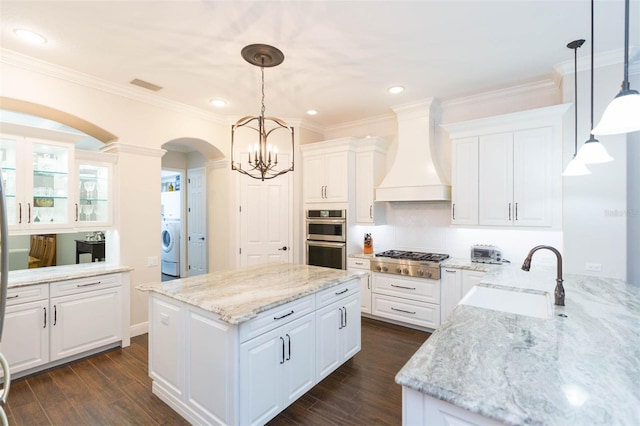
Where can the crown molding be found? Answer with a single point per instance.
(533, 87)
(600, 60)
(41, 67)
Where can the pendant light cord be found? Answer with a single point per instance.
(625, 84)
(592, 43)
(575, 109)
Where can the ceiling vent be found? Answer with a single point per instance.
(145, 85)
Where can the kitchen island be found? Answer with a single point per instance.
(237, 347)
(580, 366)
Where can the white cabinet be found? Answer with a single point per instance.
(464, 182)
(370, 168)
(456, 283)
(506, 169)
(514, 180)
(213, 372)
(276, 368)
(87, 314)
(94, 185)
(328, 171)
(338, 336)
(25, 338)
(46, 323)
(365, 282)
(408, 300)
(37, 173)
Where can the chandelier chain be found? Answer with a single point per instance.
(263, 108)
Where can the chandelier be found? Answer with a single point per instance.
(263, 156)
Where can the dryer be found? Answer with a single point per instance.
(171, 248)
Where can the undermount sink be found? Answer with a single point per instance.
(515, 302)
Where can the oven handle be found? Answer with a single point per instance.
(326, 221)
(325, 244)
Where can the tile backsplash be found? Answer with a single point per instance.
(425, 226)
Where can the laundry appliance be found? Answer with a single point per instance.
(171, 248)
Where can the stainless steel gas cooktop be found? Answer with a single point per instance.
(409, 263)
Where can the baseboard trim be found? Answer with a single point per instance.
(138, 329)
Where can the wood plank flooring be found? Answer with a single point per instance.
(113, 388)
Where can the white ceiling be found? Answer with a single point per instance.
(340, 56)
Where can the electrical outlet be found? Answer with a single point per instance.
(152, 261)
(594, 267)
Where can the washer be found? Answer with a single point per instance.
(171, 248)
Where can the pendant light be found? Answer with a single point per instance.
(262, 165)
(592, 152)
(575, 166)
(623, 113)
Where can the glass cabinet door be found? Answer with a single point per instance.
(8, 162)
(93, 191)
(50, 185)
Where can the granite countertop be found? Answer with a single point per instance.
(51, 274)
(581, 366)
(461, 263)
(241, 294)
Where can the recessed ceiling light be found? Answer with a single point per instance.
(30, 36)
(396, 89)
(218, 102)
(312, 112)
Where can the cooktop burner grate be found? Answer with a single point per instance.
(413, 255)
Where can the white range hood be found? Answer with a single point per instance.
(414, 175)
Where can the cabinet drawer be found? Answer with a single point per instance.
(332, 294)
(417, 289)
(357, 263)
(64, 288)
(417, 313)
(276, 317)
(30, 293)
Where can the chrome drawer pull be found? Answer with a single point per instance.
(401, 286)
(90, 284)
(285, 315)
(402, 310)
(342, 292)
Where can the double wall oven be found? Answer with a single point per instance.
(326, 232)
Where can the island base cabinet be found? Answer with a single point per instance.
(338, 337)
(276, 369)
(85, 321)
(419, 409)
(209, 357)
(165, 341)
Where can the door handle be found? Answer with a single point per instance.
(453, 211)
(19, 212)
(45, 318)
(281, 338)
(283, 248)
(289, 344)
(371, 211)
(28, 212)
(76, 212)
(55, 314)
(341, 320)
(201, 238)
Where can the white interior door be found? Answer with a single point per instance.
(196, 221)
(264, 219)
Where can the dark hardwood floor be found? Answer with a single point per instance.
(113, 388)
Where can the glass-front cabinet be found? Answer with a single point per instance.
(93, 207)
(36, 175)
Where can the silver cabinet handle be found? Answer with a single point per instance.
(76, 212)
(342, 292)
(19, 212)
(450, 271)
(509, 211)
(55, 314)
(402, 310)
(7, 381)
(45, 318)
(371, 211)
(28, 212)
(453, 211)
(401, 286)
(516, 211)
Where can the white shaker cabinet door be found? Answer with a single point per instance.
(25, 338)
(85, 321)
(351, 332)
(532, 196)
(328, 347)
(464, 181)
(314, 180)
(299, 375)
(337, 177)
(495, 168)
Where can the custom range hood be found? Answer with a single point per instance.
(414, 175)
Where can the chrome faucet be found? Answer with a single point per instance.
(559, 291)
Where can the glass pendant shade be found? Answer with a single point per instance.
(592, 152)
(621, 116)
(576, 168)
